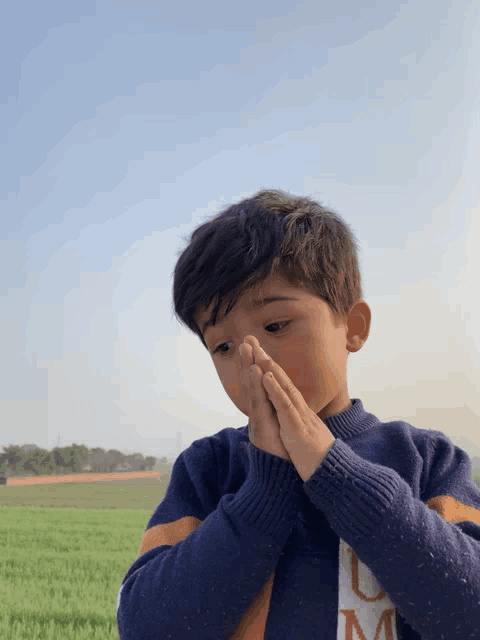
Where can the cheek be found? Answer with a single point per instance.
(318, 374)
(309, 371)
(230, 380)
(337, 355)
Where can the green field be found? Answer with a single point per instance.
(65, 549)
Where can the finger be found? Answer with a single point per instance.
(277, 395)
(268, 364)
(246, 360)
(251, 341)
(266, 408)
(254, 409)
(289, 418)
(247, 356)
(255, 399)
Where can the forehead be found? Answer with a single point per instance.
(274, 287)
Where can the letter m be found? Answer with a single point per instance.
(351, 623)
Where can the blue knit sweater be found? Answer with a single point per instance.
(381, 543)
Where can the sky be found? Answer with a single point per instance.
(124, 124)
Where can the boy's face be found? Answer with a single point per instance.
(300, 335)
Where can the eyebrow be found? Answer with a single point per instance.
(255, 304)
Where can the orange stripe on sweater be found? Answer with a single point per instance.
(168, 534)
(453, 510)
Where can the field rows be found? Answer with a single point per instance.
(65, 550)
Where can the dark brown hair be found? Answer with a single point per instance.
(270, 233)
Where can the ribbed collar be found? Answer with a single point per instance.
(352, 421)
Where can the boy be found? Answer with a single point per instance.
(315, 520)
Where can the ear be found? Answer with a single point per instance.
(358, 326)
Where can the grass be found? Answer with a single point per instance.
(65, 550)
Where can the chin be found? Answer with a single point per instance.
(314, 403)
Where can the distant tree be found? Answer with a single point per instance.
(98, 460)
(60, 462)
(69, 461)
(115, 458)
(3, 463)
(30, 459)
(80, 457)
(150, 462)
(135, 462)
(14, 456)
(48, 463)
(38, 458)
(34, 464)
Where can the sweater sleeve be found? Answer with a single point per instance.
(424, 553)
(202, 564)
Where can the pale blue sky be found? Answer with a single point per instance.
(123, 124)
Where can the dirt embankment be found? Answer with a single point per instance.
(83, 477)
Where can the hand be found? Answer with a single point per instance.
(263, 426)
(305, 437)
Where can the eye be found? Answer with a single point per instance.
(273, 324)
